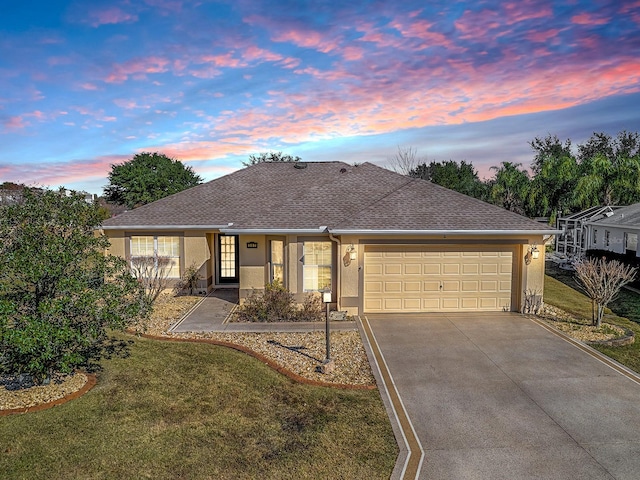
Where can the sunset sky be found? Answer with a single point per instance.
(86, 84)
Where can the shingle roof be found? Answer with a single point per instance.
(336, 195)
(624, 217)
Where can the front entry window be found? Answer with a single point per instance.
(228, 258)
(277, 260)
(317, 265)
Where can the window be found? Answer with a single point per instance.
(607, 239)
(631, 242)
(277, 260)
(155, 246)
(316, 267)
(594, 240)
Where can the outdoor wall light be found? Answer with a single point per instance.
(535, 253)
(351, 250)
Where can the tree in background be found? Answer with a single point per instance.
(59, 292)
(265, 157)
(602, 280)
(510, 187)
(555, 172)
(148, 177)
(609, 171)
(405, 161)
(461, 177)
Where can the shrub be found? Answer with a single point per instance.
(189, 280)
(276, 304)
(60, 295)
(312, 310)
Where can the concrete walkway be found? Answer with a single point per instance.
(212, 315)
(499, 396)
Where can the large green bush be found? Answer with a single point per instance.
(59, 293)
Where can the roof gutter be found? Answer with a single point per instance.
(446, 232)
(274, 231)
(164, 227)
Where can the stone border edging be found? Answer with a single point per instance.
(89, 384)
(627, 339)
(278, 368)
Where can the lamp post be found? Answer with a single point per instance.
(326, 298)
(328, 364)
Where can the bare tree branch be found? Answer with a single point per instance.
(152, 273)
(602, 280)
(405, 160)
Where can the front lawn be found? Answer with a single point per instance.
(627, 303)
(560, 295)
(178, 410)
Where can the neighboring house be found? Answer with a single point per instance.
(617, 232)
(380, 241)
(575, 238)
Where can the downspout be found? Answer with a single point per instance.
(339, 275)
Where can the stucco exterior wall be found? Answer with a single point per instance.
(117, 241)
(196, 252)
(253, 263)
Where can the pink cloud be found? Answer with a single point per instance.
(111, 15)
(138, 69)
(308, 39)
(15, 123)
(585, 18)
(543, 36)
(62, 173)
(88, 86)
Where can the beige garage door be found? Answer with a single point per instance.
(421, 279)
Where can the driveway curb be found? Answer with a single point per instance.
(411, 455)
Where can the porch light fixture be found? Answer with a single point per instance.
(351, 250)
(535, 253)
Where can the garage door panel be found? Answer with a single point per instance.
(431, 286)
(451, 269)
(423, 279)
(450, 286)
(413, 269)
(392, 287)
(470, 268)
(431, 269)
(392, 269)
(411, 304)
(411, 287)
(450, 303)
(470, 303)
(392, 304)
(470, 286)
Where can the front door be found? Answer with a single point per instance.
(228, 259)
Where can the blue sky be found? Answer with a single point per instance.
(84, 85)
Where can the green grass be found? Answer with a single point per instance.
(565, 297)
(626, 304)
(176, 410)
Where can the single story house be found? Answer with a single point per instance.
(617, 232)
(381, 242)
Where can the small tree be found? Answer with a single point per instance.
(59, 292)
(152, 274)
(148, 177)
(602, 280)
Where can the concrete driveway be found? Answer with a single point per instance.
(492, 396)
